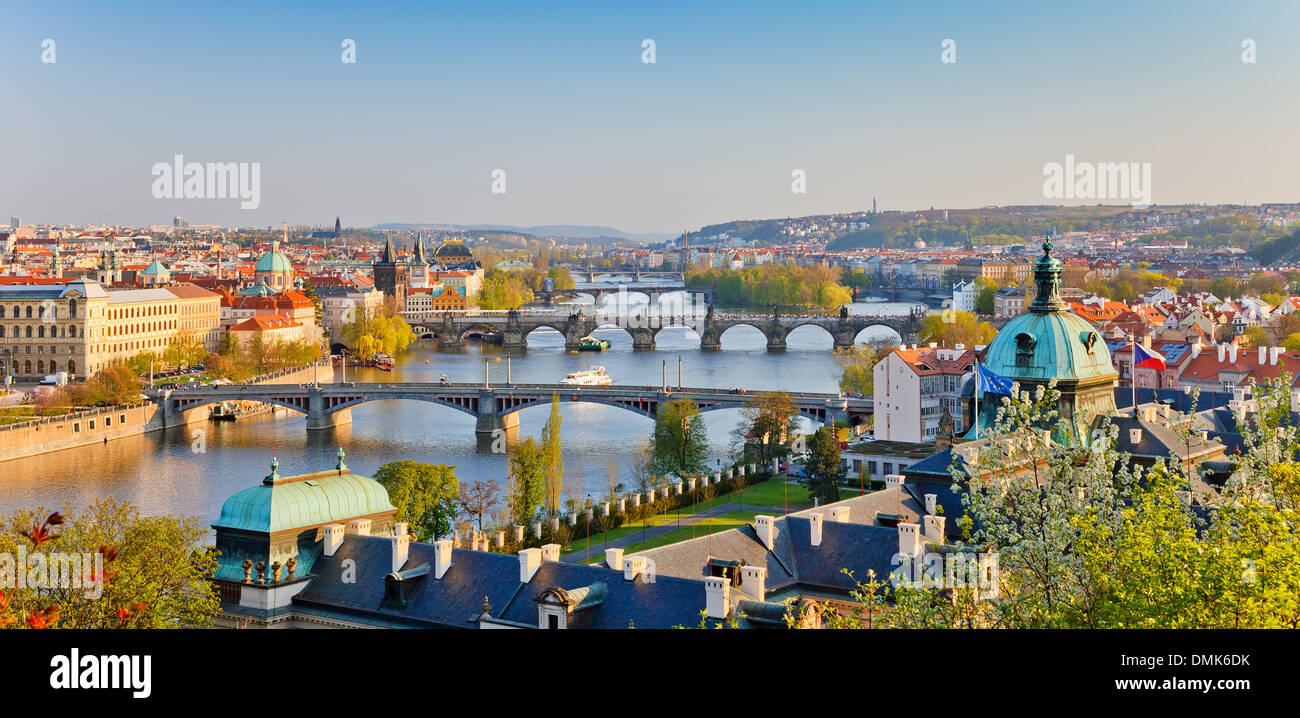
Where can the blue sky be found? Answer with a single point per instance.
(556, 94)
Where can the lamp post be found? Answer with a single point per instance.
(589, 513)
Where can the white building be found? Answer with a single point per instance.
(913, 386)
(963, 296)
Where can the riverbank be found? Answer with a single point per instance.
(105, 424)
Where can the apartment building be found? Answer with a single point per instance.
(913, 387)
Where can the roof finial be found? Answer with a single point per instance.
(341, 466)
(274, 476)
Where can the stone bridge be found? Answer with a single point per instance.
(450, 328)
(494, 407)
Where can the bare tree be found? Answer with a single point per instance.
(479, 497)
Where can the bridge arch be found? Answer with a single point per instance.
(366, 399)
(878, 331)
(818, 331)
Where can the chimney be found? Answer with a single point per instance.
(959, 347)
(893, 481)
(360, 527)
(441, 557)
(1135, 436)
(753, 581)
(909, 539)
(551, 552)
(1272, 355)
(931, 501)
(614, 558)
(814, 529)
(401, 546)
(530, 559)
(519, 534)
(766, 530)
(1223, 352)
(1205, 435)
(1263, 352)
(1232, 353)
(717, 597)
(1196, 348)
(632, 567)
(934, 345)
(333, 534)
(934, 527)
(839, 514)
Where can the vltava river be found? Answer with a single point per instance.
(161, 473)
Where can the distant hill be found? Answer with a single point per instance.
(579, 231)
(1283, 250)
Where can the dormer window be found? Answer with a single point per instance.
(1025, 344)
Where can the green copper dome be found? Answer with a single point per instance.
(285, 503)
(274, 261)
(154, 268)
(1049, 341)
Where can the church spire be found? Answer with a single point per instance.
(390, 253)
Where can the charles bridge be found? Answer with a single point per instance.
(451, 328)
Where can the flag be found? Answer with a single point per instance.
(1147, 359)
(986, 382)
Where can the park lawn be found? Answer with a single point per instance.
(770, 493)
(718, 524)
(15, 414)
(579, 543)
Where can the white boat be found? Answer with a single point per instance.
(594, 376)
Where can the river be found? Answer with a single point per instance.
(162, 473)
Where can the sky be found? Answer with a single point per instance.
(741, 94)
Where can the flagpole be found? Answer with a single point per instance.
(977, 399)
(1133, 377)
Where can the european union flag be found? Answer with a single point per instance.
(986, 382)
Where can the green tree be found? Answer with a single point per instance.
(553, 450)
(984, 301)
(823, 469)
(679, 445)
(857, 362)
(527, 487)
(764, 426)
(426, 496)
(156, 568)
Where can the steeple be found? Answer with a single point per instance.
(419, 249)
(390, 254)
(1047, 275)
(338, 228)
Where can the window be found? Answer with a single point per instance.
(1025, 344)
(552, 621)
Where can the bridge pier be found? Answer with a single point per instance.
(320, 421)
(514, 338)
(775, 339)
(643, 339)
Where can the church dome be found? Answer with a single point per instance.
(453, 251)
(274, 261)
(1049, 341)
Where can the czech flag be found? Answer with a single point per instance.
(1146, 359)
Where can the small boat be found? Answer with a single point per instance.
(590, 343)
(384, 362)
(222, 412)
(595, 376)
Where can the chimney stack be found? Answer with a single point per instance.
(1272, 355)
(1135, 436)
(934, 527)
(1196, 348)
(441, 557)
(893, 481)
(401, 546)
(1263, 352)
(551, 552)
(909, 539)
(614, 558)
(839, 514)
(931, 502)
(1223, 352)
(765, 527)
(530, 559)
(717, 597)
(1232, 353)
(360, 527)
(333, 535)
(814, 529)
(753, 582)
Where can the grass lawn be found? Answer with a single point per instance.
(767, 495)
(15, 414)
(718, 524)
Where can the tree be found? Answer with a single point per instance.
(679, 445)
(857, 361)
(478, 498)
(527, 488)
(984, 301)
(156, 569)
(823, 469)
(957, 328)
(1256, 337)
(765, 423)
(554, 453)
(425, 496)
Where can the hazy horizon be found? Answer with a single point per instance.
(740, 95)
